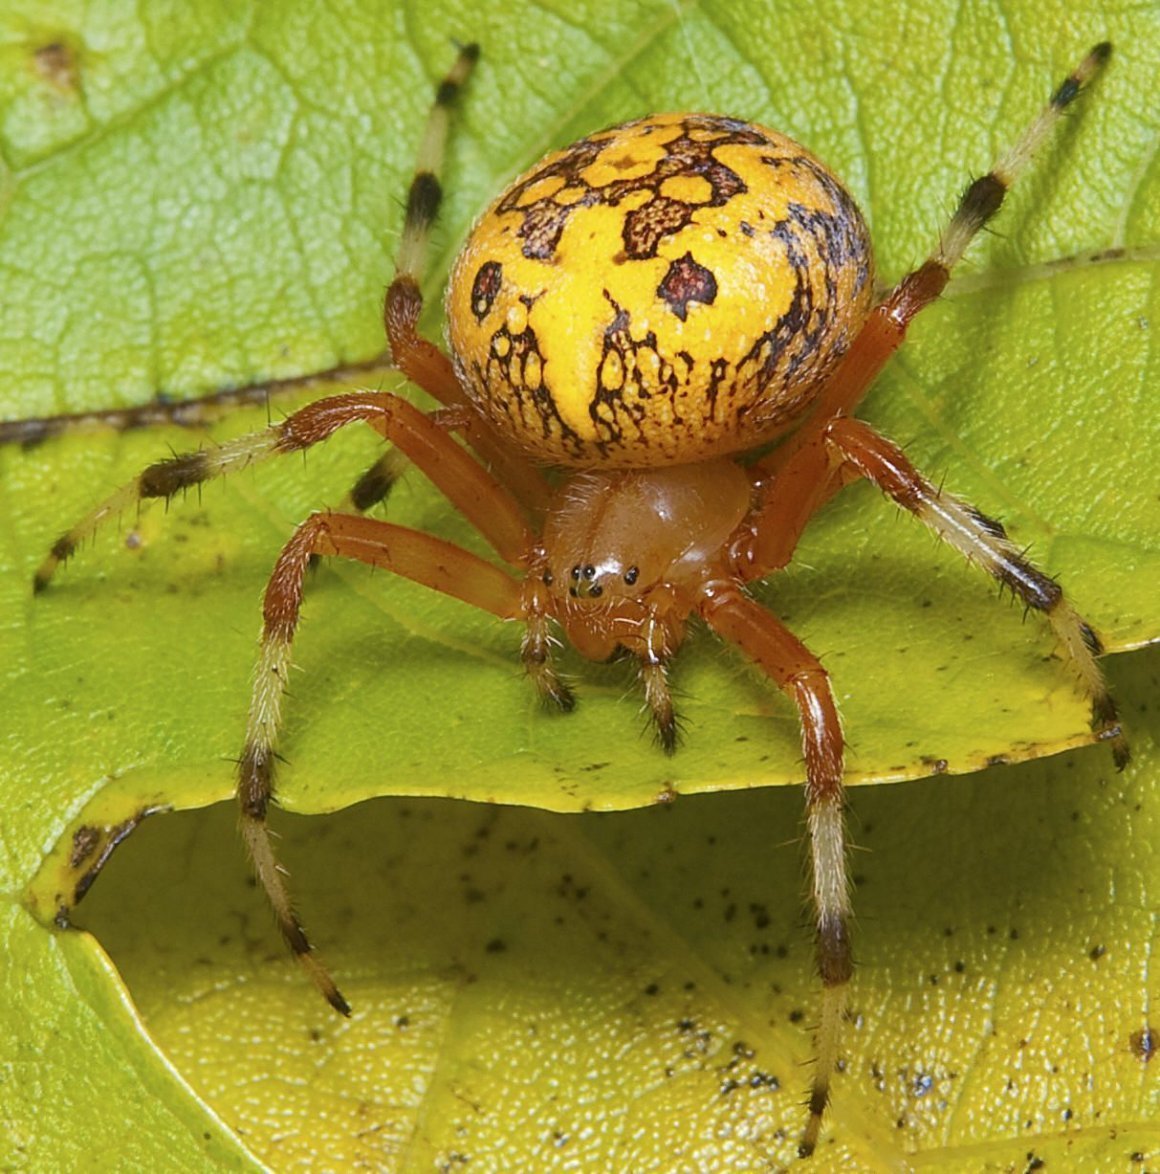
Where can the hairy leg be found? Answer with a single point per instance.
(984, 541)
(798, 476)
(886, 327)
(415, 555)
(787, 661)
(420, 360)
(422, 440)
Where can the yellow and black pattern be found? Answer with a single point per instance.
(664, 291)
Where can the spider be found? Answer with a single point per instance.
(632, 325)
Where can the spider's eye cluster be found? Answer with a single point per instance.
(664, 291)
(587, 581)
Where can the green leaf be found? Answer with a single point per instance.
(633, 991)
(206, 196)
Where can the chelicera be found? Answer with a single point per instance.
(631, 325)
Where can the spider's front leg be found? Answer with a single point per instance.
(421, 557)
(419, 359)
(788, 662)
(413, 554)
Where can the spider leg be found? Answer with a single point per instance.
(984, 541)
(658, 696)
(786, 500)
(376, 483)
(886, 327)
(780, 654)
(420, 438)
(538, 642)
(420, 360)
(413, 554)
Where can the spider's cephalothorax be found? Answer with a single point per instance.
(641, 308)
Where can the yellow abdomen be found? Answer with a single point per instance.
(668, 290)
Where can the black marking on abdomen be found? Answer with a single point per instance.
(485, 287)
(686, 281)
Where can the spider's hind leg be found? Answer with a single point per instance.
(419, 359)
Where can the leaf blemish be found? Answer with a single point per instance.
(85, 841)
(1144, 1043)
(57, 64)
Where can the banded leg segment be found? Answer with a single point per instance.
(661, 634)
(422, 440)
(413, 554)
(164, 479)
(422, 361)
(419, 359)
(539, 642)
(426, 192)
(886, 327)
(984, 541)
(780, 654)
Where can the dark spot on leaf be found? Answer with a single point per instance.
(57, 64)
(1144, 1043)
(85, 841)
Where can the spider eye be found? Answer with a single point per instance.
(631, 575)
(595, 590)
(547, 578)
(589, 572)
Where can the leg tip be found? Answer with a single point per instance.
(1121, 752)
(809, 1141)
(326, 985)
(335, 998)
(668, 737)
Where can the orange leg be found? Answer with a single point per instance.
(420, 360)
(422, 440)
(780, 654)
(847, 448)
(413, 554)
(425, 441)
(886, 327)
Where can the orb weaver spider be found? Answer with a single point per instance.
(643, 312)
